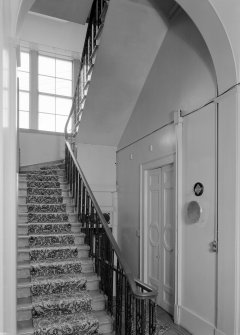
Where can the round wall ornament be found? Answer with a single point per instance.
(198, 189)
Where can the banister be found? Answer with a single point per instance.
(138, 297)
(127, 271)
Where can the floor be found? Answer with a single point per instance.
(166, 326)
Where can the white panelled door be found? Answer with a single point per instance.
(161, 234)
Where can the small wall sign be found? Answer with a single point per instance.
(198, 189)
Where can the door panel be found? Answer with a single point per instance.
(161, 243)
(168, 240)
(154, 232)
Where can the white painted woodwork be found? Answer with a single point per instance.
(161, 232)
(199, 263)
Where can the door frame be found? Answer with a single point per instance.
(144, 170)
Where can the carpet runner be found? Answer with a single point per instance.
(61, 304)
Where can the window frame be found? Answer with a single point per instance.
(40, 93)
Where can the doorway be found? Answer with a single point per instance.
(159, 231)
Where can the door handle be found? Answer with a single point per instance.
(214, 246)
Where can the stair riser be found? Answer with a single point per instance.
(26, 314)
(23, 178)
(66, 200)
(23, 192)
(60, 172)
(25, 272)
(23, 218)
(24, 256)
(23, 242)
(24, 230)
(25, 292)
(105, 328)
(24, 209)
(63, 186)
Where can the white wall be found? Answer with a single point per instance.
(55, 36)
(98, 164)
(182, 77)
(198, 281)
(175, 81)
(40, 147)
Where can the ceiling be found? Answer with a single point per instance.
(76, 11)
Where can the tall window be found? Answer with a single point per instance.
(23, 75)
(54, 92)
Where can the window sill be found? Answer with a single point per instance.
(42, 132)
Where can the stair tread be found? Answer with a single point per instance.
(27, 303)
(83, 260)
(44, 204)
(78, 246)
(27, 282)
(46, 223)
(22, 214)
(26, 326)
(45, 235)
(41, 188)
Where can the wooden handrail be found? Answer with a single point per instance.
(132, 281)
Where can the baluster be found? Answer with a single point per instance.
(129, 307)
(94, 25)
(80, 199)
(120, 282)
(76, 182)
(70, 174)
(97, 246)
(87, 221)
(83, 206)
(73, 181)
(110, 278)
(102, 260)
(93, 228)
(152, 317)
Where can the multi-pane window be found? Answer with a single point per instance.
(24, 79)
(54, 93)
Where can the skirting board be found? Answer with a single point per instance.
(195, 324)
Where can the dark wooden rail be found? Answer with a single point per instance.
(130, 302)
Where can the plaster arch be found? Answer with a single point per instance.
(214, 33)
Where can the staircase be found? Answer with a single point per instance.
(58, 290)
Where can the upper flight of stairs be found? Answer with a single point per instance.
(58, 290)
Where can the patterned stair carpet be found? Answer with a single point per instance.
(61, 304)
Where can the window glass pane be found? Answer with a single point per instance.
(24, 101)
(60, 123)
(64, 87)
(23, 119)
(23, 81)
(46, 65)
(46, 122)
(46, 84)
(63, 106)
(46, 104)
(63, 69)
(24, 57)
